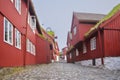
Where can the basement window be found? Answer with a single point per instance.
(93, 43)
(84, 48)
(70, 56)
(77, 52)
(8, 32)
(17, 39)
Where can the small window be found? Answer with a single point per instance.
(34, 51)
(8, 32)
(28, 50)
(70, 35)
(84, 48)
(32, 22)
(17, 39)
(70, 56)
(75, 30)
(93, 43)
(31, 47)
(77, 52)
(12, 1)
(18, 5)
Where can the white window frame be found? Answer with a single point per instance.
(93, 43)
(77, 52)
(84, 48)
(17, 39)
(9, 32)
(75, 30)
(18, 5)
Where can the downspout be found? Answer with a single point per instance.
(101, 47)
(25, 49)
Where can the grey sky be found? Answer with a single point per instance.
(57, 14)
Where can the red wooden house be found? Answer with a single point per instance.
(100, 45)
(18, 24)
(81, 23)
(20, 42)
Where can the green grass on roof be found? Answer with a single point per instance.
(51, 33)
(110, 14)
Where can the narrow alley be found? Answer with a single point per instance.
(65, 71)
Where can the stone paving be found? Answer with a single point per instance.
(65, 71)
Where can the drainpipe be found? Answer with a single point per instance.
(101, 47)
(24, 54)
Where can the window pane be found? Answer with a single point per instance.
(6, 30)
(18, 5)
(10, 33)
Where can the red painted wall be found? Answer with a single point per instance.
(43, 51)
(10, 12)
(9, 54)
(81, 30)
(112, 37)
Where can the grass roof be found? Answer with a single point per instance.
(110, 14)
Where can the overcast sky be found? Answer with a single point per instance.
(57, 14)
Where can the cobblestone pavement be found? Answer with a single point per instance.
(65, 71)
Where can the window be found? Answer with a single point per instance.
(32, 22)
(31, 47)
(18, 5)
(84, 48)
(75, 30)
(8, 32)
(11, 0)
(34, 51)
(17, 39)
(77, 52)
(70, 56)
(93, 43)
(70, 35)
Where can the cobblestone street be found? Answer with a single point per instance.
(65, 71)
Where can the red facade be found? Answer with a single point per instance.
(83, 25)
(106, 41)
(9, 54)
(111, 33)
(20, 43)
(43, 50)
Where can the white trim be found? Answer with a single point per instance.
(8, 32)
